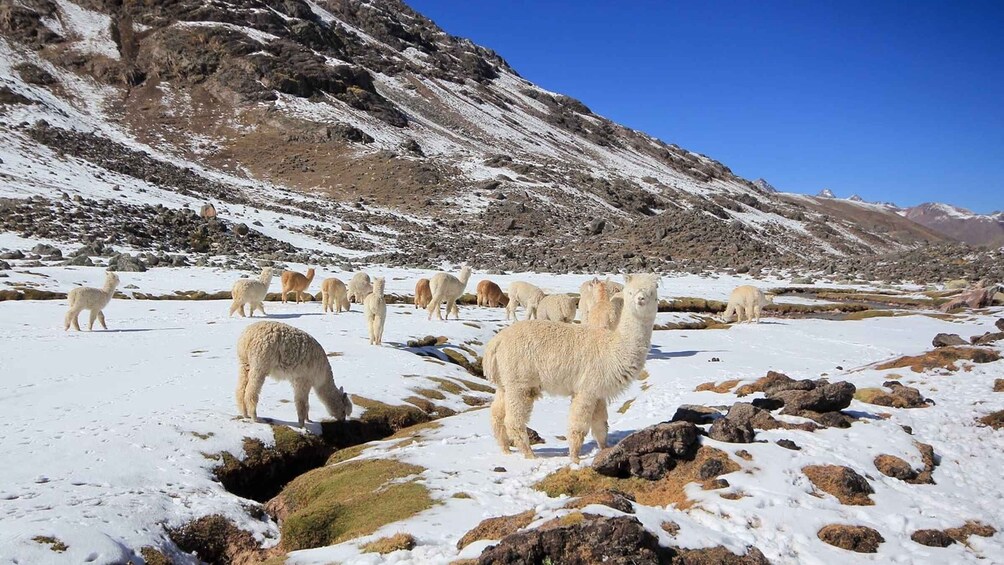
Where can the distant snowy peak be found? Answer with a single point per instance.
(856, 198)
(826, 193)
(763, 185)
(959, 223)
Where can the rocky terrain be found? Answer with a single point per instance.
(376, 134)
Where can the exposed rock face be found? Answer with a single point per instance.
(825, 398)
(861, 539)
(649, 453)
(959, 224)
(731, 431)
(497, 528)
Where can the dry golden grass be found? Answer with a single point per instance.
(497, 528)
(941, 358)
(721, 388)
(625, 407)
(665, 491)
(390, 544)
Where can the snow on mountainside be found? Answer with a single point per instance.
(339, 125)
(959, 223)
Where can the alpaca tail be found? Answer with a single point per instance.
(334, 399)
(489, 365)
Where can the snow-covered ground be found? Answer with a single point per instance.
(105, 432)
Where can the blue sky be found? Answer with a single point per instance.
(897, 101)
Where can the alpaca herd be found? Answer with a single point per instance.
(591, 362)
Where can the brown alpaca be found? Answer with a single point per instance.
(423, 294)
(295, 282)
(489, 294)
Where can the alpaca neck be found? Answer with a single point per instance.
(109, 287)
(266, 277)
(464, 277)
(378, 289)
(310, 275)
(633, 336)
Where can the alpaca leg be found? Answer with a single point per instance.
(93, 317)
(256, 379)
(510, 310)
(498, 420)
(242, 384)
(756, 313)
(579, 419)
(301, 394)
(285, 295)
(101, 320)
(233, 308)
(261, 308)
(455, 309)
(518, 405)
(71, 319)
(379, 331)
(599, 424)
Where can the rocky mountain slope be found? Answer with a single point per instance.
(337, 129)
(959, 223)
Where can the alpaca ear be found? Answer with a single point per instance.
(627, 278)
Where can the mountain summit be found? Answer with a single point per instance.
(350, 129)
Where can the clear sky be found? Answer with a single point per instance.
(895, 101)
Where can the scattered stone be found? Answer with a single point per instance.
(843, 483)
(825, 398)
(861, 539)
(535, 438)
(945, 340)
(995, 420)
(242, 229)
(901, 396)
(499, 469)
(649, 453)
(998, 385)
(126, 263)
(932, 538)
(427, 341)
(596, 227)
(695, 414)
(731, 431)
(788, 444)
(999, 324)
(613, 498)
(892, 466)
(12, 255)
(79, 261)
(4, 265)
(987, 338)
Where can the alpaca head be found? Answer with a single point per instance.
(465, 273)
(111, 279)
(266, 274)
(344, 405)
(768, 298)
(641, 294)
(378, 284)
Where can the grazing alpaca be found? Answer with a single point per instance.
(557, 308)
(93, 299)
(606, 311)
(252, 292)
(376, 312)
(746, 301)
(489, 294)
(359, 287)
(592, 365)
(423, 294)
(526, 295)
(295, 282)
(333, 296)
(287, 354)
(447, 288)
(587, 295)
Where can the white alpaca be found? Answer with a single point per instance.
(359, 287)
(251, 291)
(606, 312)
(376, 312)
(592, 365)
(448, 288)
(287, 354)
(746, 302)
(334, 296)
(90, 298)
(587, 295)
(526, 295)
(557, 308)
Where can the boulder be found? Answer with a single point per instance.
(826, 398)
(843, 483)
(648, 453)
(861, 539)
(944, 340)
(695, 414)
(731, 431)
(895, 467)
(932, 538)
